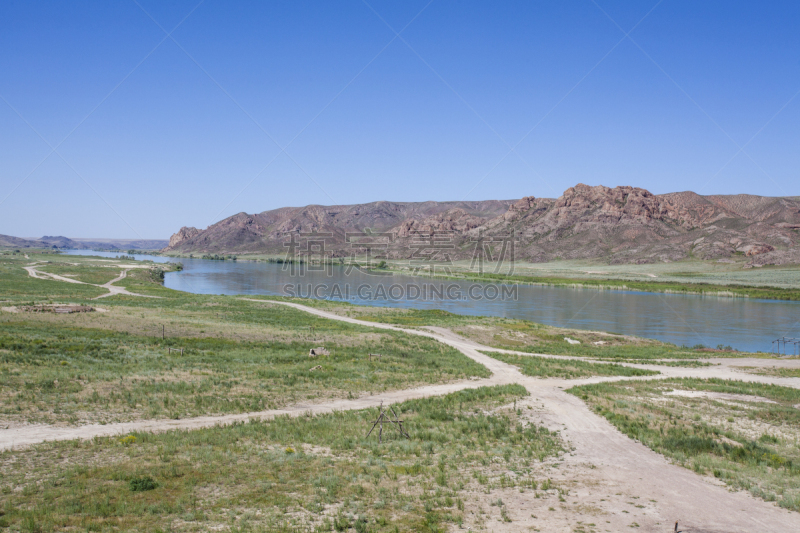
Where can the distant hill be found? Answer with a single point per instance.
(122, 244)
(16, 242)
(620, 225)
(83, 244)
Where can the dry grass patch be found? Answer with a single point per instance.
(526, 336)
(745, 434)
(771, 371)
(315, 473)
(545, 367)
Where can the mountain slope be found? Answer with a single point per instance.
(268, 231)
(618, 225)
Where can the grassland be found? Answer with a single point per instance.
(306, 474)
(729, 278)
(543, 367)
(675, 287)
(320, 473)
(745, 434)
(237, 356)
(771, 371)
(16, 286)
(531, 337)
(87, 273)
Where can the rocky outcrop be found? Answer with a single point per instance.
(755, 249)
(631, 225)
(455, 221)
(183, 234)
(617, 225)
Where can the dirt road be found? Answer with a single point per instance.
(607, 470)
(112, 289)
(32, 272)
(621, 470)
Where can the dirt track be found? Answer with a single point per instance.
(112, 289)
(606, 468)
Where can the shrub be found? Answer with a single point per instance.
(141, 484)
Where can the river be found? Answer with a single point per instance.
(743, 323)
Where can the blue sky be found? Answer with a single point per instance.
(250, 106)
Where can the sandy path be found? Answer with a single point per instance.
(32, 272)
(619, 463)
(622, 464)
(625, 466)
(112, 289)
(501, 374)
(33, 434)
(723, 368)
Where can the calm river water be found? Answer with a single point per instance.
(743, 323)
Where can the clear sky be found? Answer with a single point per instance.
(165, 114)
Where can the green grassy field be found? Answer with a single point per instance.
(95, 275)
(306, 474)
(531, 337)
(17, 286)
(677, 287)
(746, 442)
(780, 282)
(543, 367)
(321, 473)
(237, 355)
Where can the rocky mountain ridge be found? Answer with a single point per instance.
(618, 225)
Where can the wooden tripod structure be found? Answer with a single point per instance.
(384, 417)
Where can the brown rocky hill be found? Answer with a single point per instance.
(268, 231)
(616, 225)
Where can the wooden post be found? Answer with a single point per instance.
(384, 417)
(380, 416)
(403, 432)
(162, 332)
